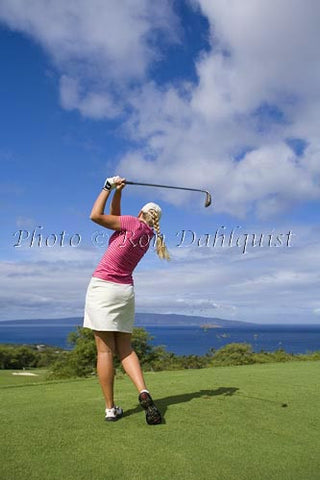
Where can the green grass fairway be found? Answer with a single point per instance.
(226, 423)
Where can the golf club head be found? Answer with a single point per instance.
(208, 199)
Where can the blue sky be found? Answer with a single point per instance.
(195, 93)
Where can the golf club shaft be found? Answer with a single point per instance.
(208, 195)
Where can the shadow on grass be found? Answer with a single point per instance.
(165, 402)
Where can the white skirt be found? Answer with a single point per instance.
(109, 306)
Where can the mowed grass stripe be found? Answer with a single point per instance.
(220, 423)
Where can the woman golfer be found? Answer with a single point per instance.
(109, 307)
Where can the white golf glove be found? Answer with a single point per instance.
(111, 182)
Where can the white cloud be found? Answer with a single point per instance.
(272, 51)
(112, 38)
(98, 46)
(257, 86)
(92, 104)
(25, 222)
(44, 283)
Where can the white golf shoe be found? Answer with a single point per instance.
(113, 414)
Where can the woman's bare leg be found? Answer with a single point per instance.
(129, 359)
(131, 364)
(105, 343)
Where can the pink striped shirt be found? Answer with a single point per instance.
(125, 250)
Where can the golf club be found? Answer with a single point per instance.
(208, 195)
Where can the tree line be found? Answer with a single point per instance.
(80, 360)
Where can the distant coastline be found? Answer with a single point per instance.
(148, 320)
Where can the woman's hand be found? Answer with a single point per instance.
(113, 182)
(120, 183)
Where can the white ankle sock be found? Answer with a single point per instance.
(147, 391)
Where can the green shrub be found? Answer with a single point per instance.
(17, 357)
(47, 356)
(234, 354)
(282, 356)
(81, 360)
(313, 355)
(161, 360)
(141, 343)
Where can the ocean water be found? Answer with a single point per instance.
(186, 340)
(197, 341)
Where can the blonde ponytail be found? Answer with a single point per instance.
(152, 219)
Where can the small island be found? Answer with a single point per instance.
(206, 326)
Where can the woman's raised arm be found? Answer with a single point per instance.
(97, 214)
(115, 207)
